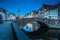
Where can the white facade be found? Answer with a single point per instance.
(33, 15)
(46, 14)
(53, 14)
(12, 17)
(3, 15)
(41, 13)
(28, 16)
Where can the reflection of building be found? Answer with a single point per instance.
(32, 26)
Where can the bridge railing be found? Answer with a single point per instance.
(17, 33)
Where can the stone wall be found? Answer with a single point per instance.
(47, 21)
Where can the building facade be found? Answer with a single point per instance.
(50, 11)
(31, 15)
(12, 16)
(34, 14)
(51, 14)
(2, 13)
(59, 12)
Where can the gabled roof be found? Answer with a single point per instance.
(35, 11)
(49, 7)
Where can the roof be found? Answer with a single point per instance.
(49, 7)
(3, 10)
(35, 11)
(13, 14)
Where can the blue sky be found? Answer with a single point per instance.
(25, 6)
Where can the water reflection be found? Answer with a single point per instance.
(30, 27)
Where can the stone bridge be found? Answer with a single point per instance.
(46, 21)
